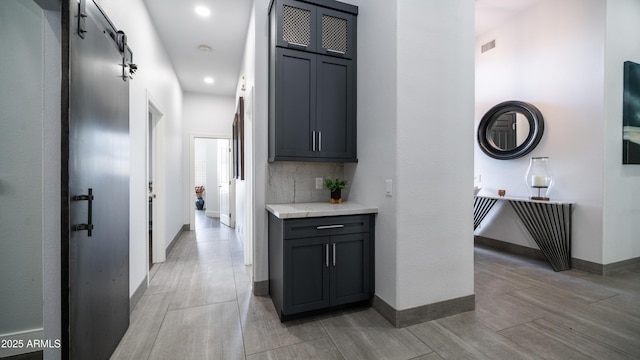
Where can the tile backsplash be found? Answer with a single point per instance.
(295, 182)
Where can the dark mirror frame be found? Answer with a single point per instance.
(536, 129)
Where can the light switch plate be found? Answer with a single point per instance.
(388, 187)
(319, 183)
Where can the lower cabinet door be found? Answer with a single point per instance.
(306, 268)
(350, 268)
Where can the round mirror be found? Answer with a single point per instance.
(510, 130)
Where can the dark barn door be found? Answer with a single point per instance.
(96, 269)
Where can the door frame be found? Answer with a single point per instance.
(192, 181)
(157, 132)
(224, 157)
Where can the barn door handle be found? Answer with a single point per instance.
(89, 225)
(82, 15)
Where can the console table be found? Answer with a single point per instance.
(548, 222)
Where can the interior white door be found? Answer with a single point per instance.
(224, 181)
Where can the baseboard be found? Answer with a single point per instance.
(261, 288)
(577, 264)
(509, 247)
(137, 295)
(605, 269)
(35, 355)
(420, 314)
(172, 243)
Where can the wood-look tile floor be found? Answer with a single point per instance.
(199, 306)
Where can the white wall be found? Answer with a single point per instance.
(256, 67)
(553, 57)
(203, 115)
(245, 210)
(434, 159)
(212, 196)
(621, 182)
(51, 248)
(30, 113)
(377, 109)
(21, 177)
(405, 89)
(155, 79)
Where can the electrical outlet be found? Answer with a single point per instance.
(319, 183)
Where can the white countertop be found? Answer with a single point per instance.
(304, 210)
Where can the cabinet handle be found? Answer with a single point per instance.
(313, 137)
(297, 44)
(319, 140)
(334, 254)
(326, 259)
(324, 227)
(336, 51)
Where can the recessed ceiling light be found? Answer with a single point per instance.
(208, 80)
(204, 48)
(203, 11)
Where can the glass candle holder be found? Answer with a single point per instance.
(538, 178)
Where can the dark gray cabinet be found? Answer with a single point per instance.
(335, 109)
(312, 80)
(314, 108)
(294, 134)
(317, 264)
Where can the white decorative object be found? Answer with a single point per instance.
(538, 178)
(539, 181)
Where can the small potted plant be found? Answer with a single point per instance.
(200, 200)
(336, 186)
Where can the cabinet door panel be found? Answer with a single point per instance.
(307, 274)
(296, 25)
(295, 103)
(336, 108)
(336, 33)
(350, 267)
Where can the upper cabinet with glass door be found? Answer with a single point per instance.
(318, 26)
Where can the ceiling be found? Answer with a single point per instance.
(224, 30)
(490, 13)
(182, 31)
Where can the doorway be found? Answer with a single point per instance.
(212, 189)
(155, 232)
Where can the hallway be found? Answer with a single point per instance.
(199, 306)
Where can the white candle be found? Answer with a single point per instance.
(539, 181)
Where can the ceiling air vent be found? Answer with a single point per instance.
(488, 46)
